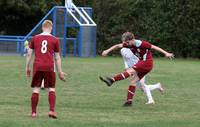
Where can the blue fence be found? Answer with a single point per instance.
(76, 42)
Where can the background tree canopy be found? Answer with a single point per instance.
(171, 24)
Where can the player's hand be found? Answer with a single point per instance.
(169, 55)
(104, 53)
(28, 72)
(62, 76)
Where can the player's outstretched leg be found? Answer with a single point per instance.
(157, 86)
(107, 80)
(118, 77)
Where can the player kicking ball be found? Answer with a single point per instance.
(46, 47)
(142, 49)
(129, 60)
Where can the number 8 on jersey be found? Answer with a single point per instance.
(44, 46)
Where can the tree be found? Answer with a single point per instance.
(20, 16)
(171, 24)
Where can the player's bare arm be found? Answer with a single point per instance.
(167, 54)
(114, 47)
(61, 74)
(28, 61)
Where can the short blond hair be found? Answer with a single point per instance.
(47, 24)
(127, 36)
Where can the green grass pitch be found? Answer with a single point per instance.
(84, 101)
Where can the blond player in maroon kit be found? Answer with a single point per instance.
(145, 64)
(45, 47)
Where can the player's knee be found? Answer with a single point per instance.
(133, 83)
(36, 90)
(134, 79)
(52, 89)
(131, 71)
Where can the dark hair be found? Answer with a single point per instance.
(127, 36)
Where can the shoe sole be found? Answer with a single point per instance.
(103, 80)
(126, 105)
(152, 103)
(52, 116)
(34, 116)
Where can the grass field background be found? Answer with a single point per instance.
(85, 101)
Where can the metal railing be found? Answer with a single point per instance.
(21, 39)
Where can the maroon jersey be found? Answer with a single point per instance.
(142, 51)
(44, 45)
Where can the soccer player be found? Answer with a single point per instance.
(45, 47)
(129, 60)
(142, 49)
(26, 47)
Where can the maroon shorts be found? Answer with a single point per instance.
(49, 79)
(143, 67)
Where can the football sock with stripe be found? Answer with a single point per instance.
(131, 92)
(121, 76)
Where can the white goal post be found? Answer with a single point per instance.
(68, 3)
(72, 9)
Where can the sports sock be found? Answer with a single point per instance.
(52, 100)
(34, 101)
(154, 86)
(131, 93)
(148, 93)
(121, 76)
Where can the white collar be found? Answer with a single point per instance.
(138, 43)
(45, 33)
